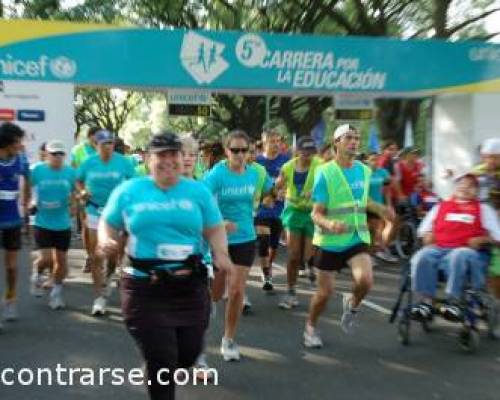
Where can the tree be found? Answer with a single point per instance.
(106, 108)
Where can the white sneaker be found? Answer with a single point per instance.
(202, 370)
(36, 288)
(99, 307)
(229, 350)
(10, 310)
(288, 302)
(56, 301)
(312, 340)
(349, 322)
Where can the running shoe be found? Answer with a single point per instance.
(268, 285)
(10, 310)
(312, 340)
(247, 306)
(422, 312)
(36, 288)
(56, 301)
(99, 307)
(451, 312)
(229, 350)
(202, 370)
(289, 301)
(349, 322)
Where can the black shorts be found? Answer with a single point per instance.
(242, 253)
(48, 239)
(11, 238)
(332, 261)
(275, 226)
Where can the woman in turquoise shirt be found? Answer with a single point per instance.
(234, 184)
(165, 299)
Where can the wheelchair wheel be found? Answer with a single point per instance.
(469, 340)
(406, 240)
(404, 331)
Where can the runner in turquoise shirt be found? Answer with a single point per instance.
(53, 188)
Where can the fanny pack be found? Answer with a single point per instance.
(192, 268)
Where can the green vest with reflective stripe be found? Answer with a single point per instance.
(343, 207)
(293, 198)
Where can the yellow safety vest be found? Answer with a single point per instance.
(343, 207)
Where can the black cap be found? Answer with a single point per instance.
(165, 141)
(306, 143)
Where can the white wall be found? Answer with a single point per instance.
(460, 124)
(54, 99)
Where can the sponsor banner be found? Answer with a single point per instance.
(243, 62)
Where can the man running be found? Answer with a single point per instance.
(13, 166)
(96, 179)
(268, 221)
(340, 197)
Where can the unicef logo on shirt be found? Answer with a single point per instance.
(63, 67)
(185, 205)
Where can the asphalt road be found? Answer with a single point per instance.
(371, 364)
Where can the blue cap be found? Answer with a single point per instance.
(104, 136)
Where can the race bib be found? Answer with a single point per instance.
(50, 205)
(456, 217)
(174, 252)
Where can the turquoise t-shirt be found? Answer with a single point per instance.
(235, 195)
(355, 177)
(101, 178)
(162, 224)
(52, 189)
(380, 176)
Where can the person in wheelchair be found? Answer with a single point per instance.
(454, 233)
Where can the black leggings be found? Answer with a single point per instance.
(168, 322)
(167, 348)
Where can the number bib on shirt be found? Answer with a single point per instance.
(174, 252)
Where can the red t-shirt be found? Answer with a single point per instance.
(408, 176)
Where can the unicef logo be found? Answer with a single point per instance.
(251, 50)
(185, 205)
(63, 67)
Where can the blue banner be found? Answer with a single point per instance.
(243, 62)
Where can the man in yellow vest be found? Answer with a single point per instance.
(340, 203)
(297, 176)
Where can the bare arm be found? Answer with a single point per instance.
(380, 210)
(318, 216)
(217, 238)
(107, 239)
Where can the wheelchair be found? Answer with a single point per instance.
(406, 240)
(477, 307)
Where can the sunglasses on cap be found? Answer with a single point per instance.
(236, 150)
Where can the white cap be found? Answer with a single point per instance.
(55, 146)
(491, 146)
(342, 130)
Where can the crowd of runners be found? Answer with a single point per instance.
(183, 223)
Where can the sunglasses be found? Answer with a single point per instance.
(58, 153)
(236, 150)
